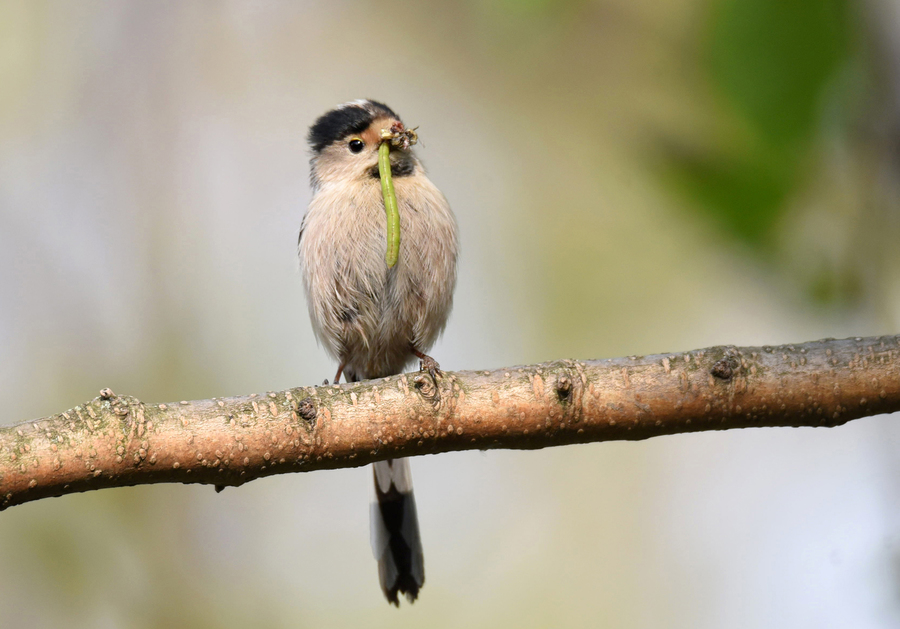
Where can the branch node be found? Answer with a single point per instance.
(107, 394)
(724, 368)
(307, 410)
(427, 388)
(563, 387)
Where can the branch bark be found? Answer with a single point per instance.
(115, 441)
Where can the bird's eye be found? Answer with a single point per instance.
(356, 145)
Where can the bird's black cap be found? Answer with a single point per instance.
(344, 120)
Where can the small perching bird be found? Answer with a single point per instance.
(373, 318)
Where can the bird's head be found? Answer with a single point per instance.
(345, 141)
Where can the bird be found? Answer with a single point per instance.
(376, 319)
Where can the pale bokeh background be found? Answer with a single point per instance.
(630, 176)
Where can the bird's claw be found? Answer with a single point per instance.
(429, 364)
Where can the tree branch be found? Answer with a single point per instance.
(115, 441)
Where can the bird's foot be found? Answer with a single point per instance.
(429, 364)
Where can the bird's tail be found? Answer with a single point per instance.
(395, 531)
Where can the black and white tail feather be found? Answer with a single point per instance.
(394, 528)
(395, 531)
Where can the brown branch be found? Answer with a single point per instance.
(115, 441)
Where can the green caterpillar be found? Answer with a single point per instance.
(390, 204)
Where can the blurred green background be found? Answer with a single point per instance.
(630, 177)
